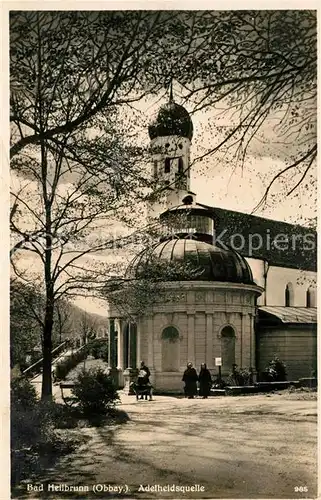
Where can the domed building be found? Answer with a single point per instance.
(207, 316)
(216, 304)
(206, 312)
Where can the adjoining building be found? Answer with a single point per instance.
(253, 296)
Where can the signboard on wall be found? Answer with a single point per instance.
(218, 361)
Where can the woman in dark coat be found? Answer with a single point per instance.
(190, 378)
(205, 381)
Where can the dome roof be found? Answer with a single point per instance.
(172, 119)
(210, 262)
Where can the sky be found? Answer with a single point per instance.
(218, 189)
(220, 180)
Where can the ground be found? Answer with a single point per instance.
(260, 446)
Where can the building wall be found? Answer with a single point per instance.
(276, 281)
(296, 346)
(169, 147)
(201, 312)
(174, 147)
(199, 315)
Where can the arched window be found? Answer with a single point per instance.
(310, 297)
(155, 168)
(170, 349)
(180, 165)
(289, 295)
(167, 165)
(228, 348)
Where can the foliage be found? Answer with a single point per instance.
(66, 365)
(276, 370)
(95, 392)
(60, 415)
(261, 68)
(23, 393)
(87, 327)
(31, 421)
(144, 284)
(68, 142)
(35, 444)
(75, 148)
(25, 332)
(26, 312)
(98, 349)
(240, 377)
(261, 60)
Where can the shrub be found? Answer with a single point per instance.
(240, 377)
(219, 383)
(66, 365)
(276, 370)
(58, 415)
(34, 439)
(98, 349)
(95, 391)
(30, 422)
(30, 427)
(33, 421)
(23, 394)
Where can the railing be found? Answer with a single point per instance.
(35, 368)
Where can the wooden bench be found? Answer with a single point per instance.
(68, 400)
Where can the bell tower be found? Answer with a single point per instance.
(170, 134)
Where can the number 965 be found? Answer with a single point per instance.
(301, 489)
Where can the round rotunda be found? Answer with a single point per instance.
(206, 311)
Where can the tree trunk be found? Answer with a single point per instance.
(46, 393)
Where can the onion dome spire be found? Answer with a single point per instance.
(172, 119)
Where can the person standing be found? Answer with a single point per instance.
(190, 378)
(205, 381)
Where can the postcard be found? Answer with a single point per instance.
(163, 229)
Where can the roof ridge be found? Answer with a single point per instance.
(256, 216)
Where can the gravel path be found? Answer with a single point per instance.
(262, 446)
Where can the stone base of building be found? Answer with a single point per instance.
(121, 382)
(129, 376)
(168, 381)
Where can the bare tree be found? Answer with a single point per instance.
(62, 320)
(81, 64)
(70, 72)
(256, 63)
(261, 68)
(144, 284)
(87, 327)
(75, 76)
